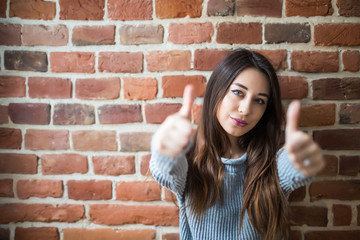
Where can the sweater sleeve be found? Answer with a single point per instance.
(290, 178)
(169, 172)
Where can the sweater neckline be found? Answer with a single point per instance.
(236, 161)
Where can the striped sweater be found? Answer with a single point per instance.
(221, 221)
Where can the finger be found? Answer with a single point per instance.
(292, 118)
(311, 152)
(298, 142)
(188, 100)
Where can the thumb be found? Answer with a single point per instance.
(292, 118)
(188, 100)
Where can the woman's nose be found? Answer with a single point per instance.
(245, 106)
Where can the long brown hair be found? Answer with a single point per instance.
(263, 198)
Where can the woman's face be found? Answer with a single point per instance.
(245, 102)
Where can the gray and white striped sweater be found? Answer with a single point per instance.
(221, 221)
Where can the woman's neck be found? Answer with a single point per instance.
(235, 151)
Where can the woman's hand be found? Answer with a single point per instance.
(303, 151)
(175, 132)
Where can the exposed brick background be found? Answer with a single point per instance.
(84, 84)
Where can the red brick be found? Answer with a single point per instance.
(170, 236)
(349, 165)
(338, 139)
(310, 216)
(117, 114)
(82, 10)
(209, 59)
(278, 58)
(131, 214)
(127, 62)
(51, 35)
(336, 89)
(6, 188)
(39, 188)
(12, 86)
(97, 89)
(169, 196)
(268, 8)
(158, 112)
(18, 163)
(289, 32)
(314, 61)
(342, 215)
(144, 165)
(295, 235)
(32, 9)
(141, 34)
(174, 60)
(239, 33)
(114, 165)
(293, 87)
(93, 140)
(44, 87)
(4, 232)
(317, 115)
(348, 8)
(333, 235)
(4, 114)
(26, 61)
(107, 234)
(331, 166)
(308, 8)
(130, 9)
(173, 86)
(345, 34)
(349, 113)
(340, 190)
(178, 9)
(66, 163)
(19, 212)
(93, 35)
(196, 113)
(189, 33)
(298, 194)
(10, 138)
(139, 88)
(36, 139)
(351, 60)
(73, 114)
(30, 113)
(10, 34)
(76, 62)
(37, 233)
(138, 191)
(135, 141)
(89, 190)
(3, 6)
(221, 8)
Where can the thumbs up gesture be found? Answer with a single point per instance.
(303, 151)
(175, 132)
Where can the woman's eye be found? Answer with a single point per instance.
(260, 101)
(237, 92)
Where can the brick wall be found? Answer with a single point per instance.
(84, 84)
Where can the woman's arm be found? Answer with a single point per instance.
(169, 145)
(289, 176)
(170, 172)
(301, 158)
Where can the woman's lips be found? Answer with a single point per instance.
(239, 122)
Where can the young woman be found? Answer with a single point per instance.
(232, 178)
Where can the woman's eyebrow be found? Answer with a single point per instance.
(244, 87)
(240, 85)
